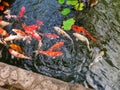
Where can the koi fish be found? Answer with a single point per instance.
(1, 8)
(13, 37)
(79, 29)
(98, 58)
(49, 53)
(63, 33)
(82, 38)
(16, 48)
(5, 3)
(7, 12)
(30, 27)
(3, 32)
(4, 23)
(39, 22)
(19, 32)
(92, 2)
(50, 35)
(56, 46)
(34, 34)
(21, 13)
(40, 44)
(19, 55)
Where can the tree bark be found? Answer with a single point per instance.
(27, 80)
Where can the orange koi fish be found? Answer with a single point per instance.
(30, 27)
(3, 32)
(16, 48)
(34, 34)
(56, 46)
(49, 53)
(17, 54)
(21, 13)
(5, 3)
(1, 8)
(50, 35)
(19, 32)
(79, 29)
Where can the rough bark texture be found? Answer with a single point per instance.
(27, 80)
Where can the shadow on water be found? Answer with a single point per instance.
(101, 21)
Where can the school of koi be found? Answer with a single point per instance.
(30, 32)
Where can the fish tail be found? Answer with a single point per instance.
(88, 45)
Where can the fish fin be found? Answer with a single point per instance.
(12, 57)
(11, 41)
(76, 39)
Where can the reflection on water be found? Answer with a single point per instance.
(103, 23)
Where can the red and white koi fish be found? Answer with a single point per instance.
(50, 35)
(82, 38)
(19, 55)
(19, 32)
(63, 33)
(30, 27)
(13, 37)
(21, 13)
(34, 34)
(56, 46)
(79, 29)
(49, 53)
(4, 23)
(3, 32)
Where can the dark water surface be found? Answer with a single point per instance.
(103, 22)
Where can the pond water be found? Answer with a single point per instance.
(102, 21)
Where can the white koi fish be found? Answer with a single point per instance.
(19, 55)
(13, 37)
(82, 38)
(40, 44)
(63, 33)
(97, 58)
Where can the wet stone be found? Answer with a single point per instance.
(25, 77)
(13, 77)
(4, 72)
(48, 85)
(37, 87)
